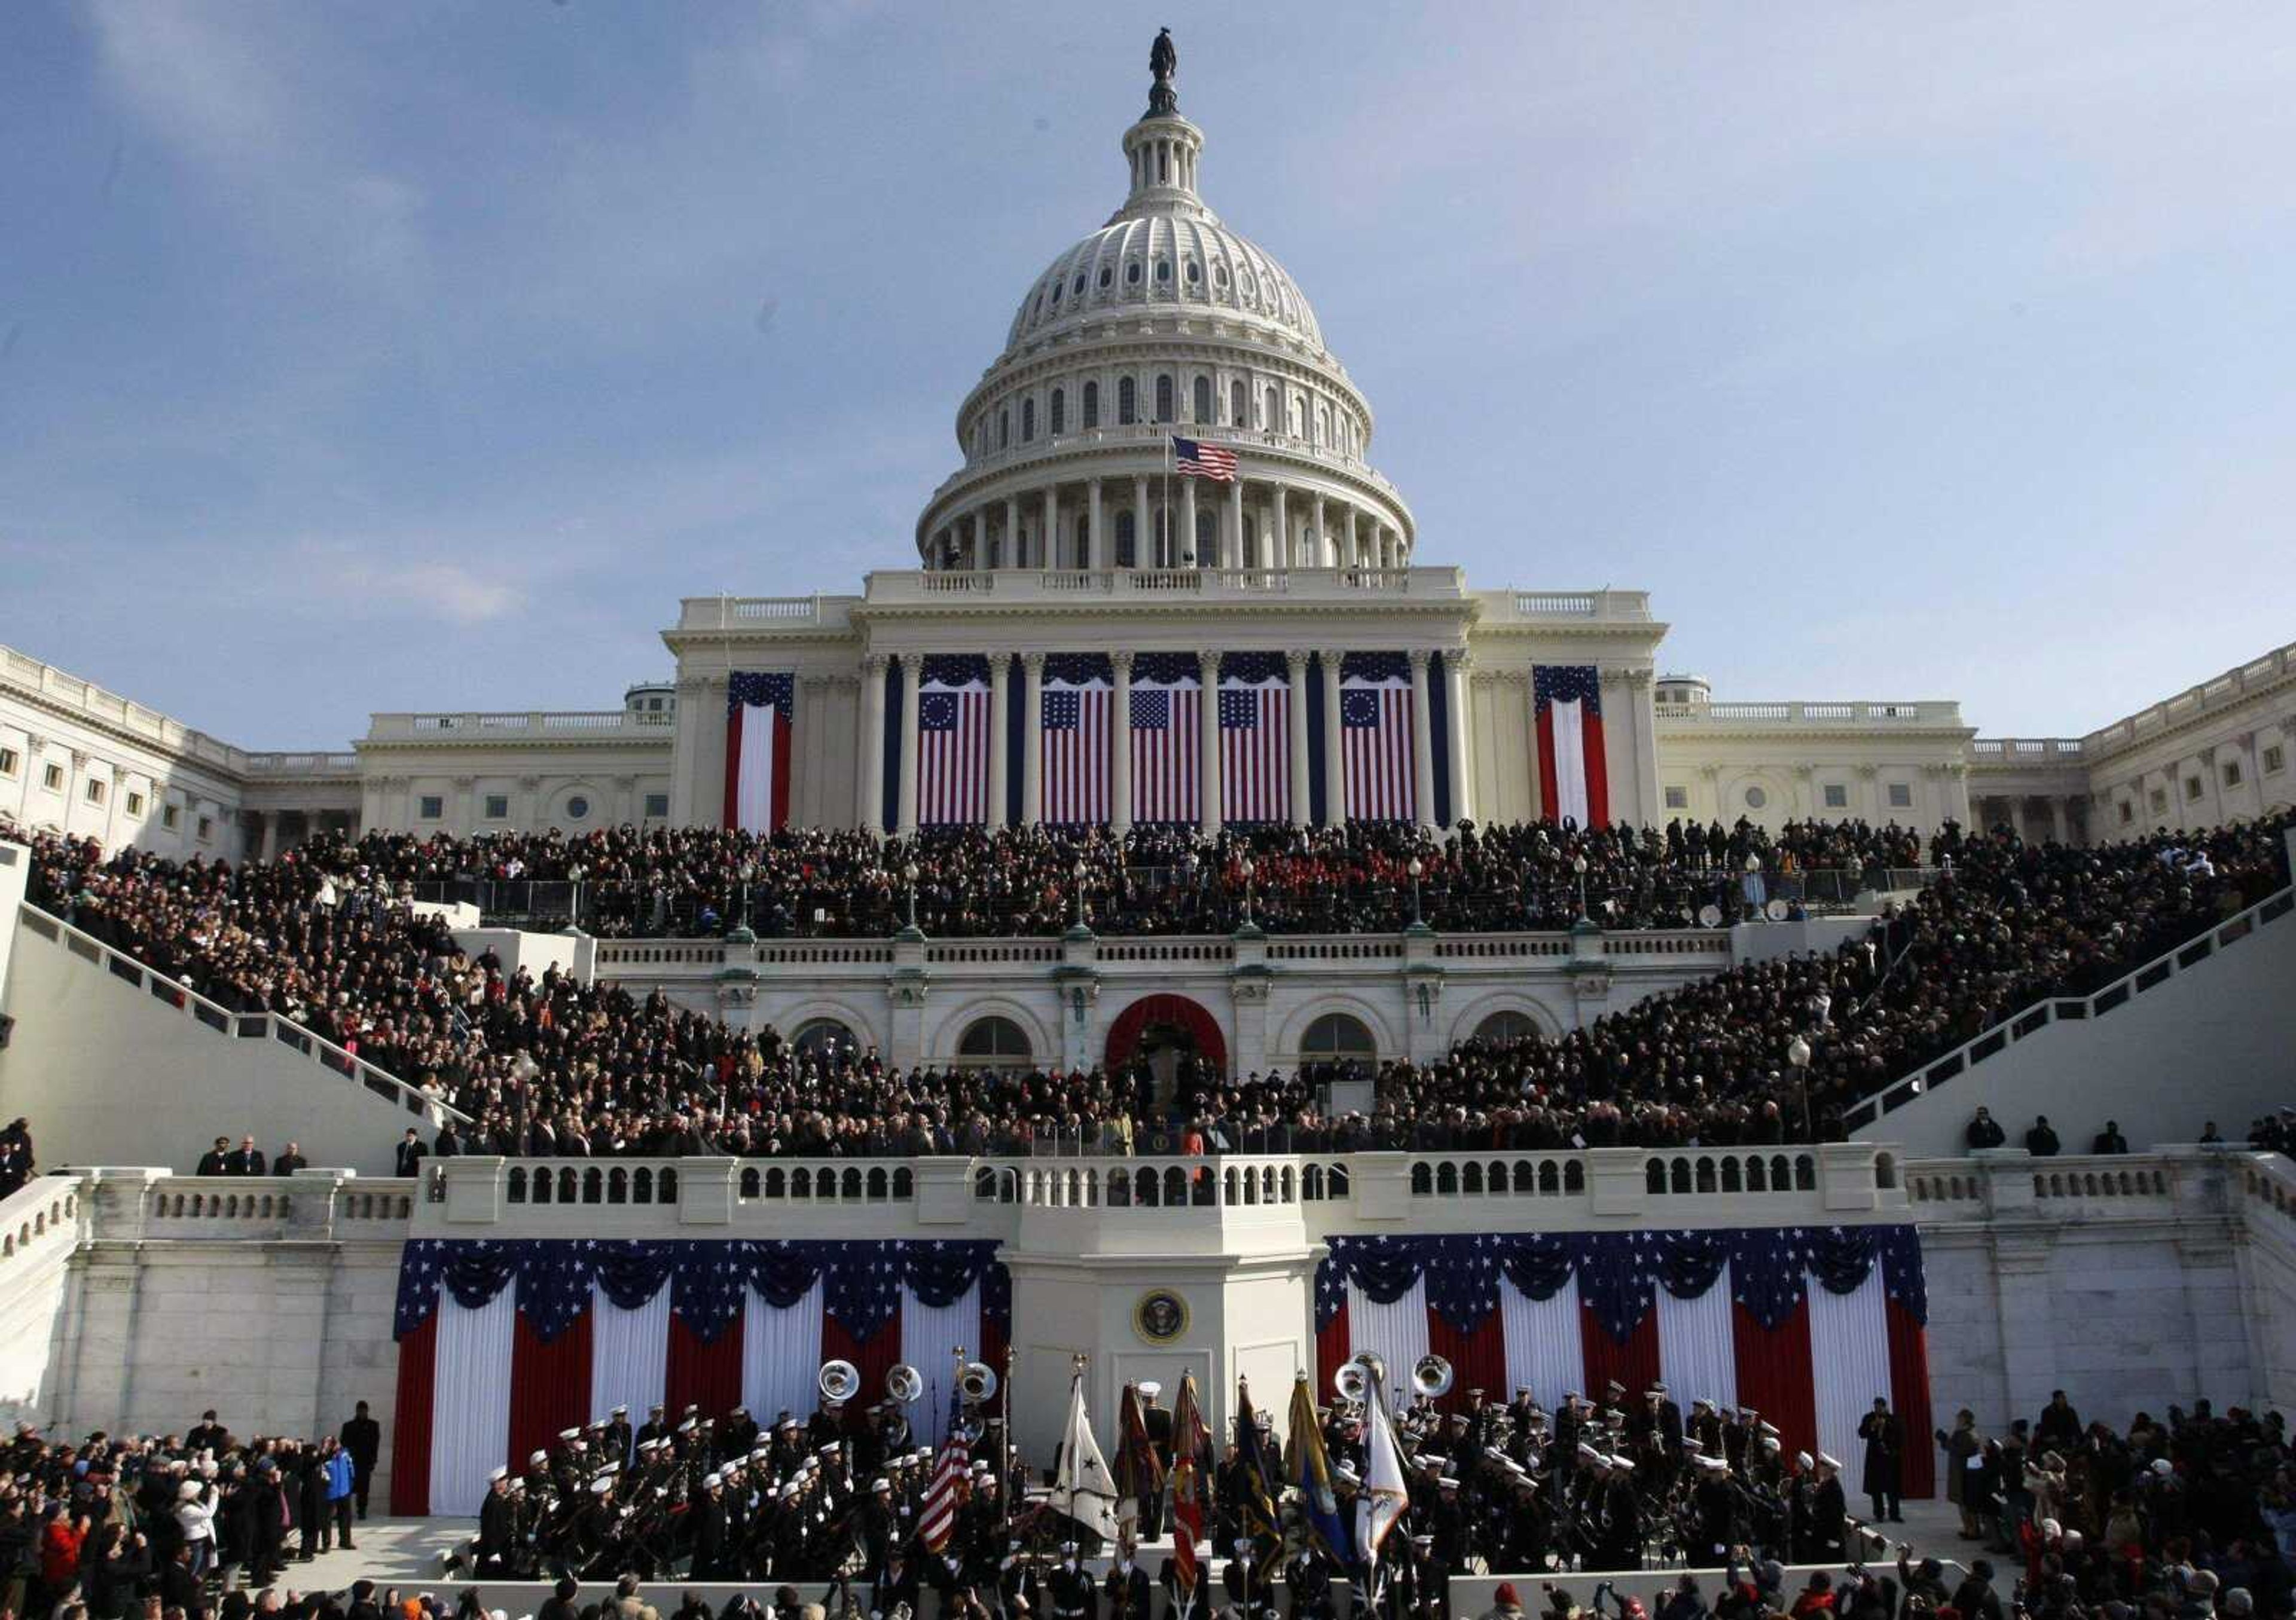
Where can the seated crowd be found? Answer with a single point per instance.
(544, 1066)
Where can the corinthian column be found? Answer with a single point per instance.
(1422, 746)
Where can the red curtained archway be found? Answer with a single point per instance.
(1124, 1034)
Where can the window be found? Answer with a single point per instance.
(2276, 760)
(823, 1038)
(1107, 275)
(1237, 410)
(2128, 812)
(1203, 399)
(1028, 421)
(1207, 537)
(1508, 1026)
(1163, 271)
(1901, 796)
(2159, 799)
(91, 790)
(1004, 428)
(52, 778)
(577, 808)
(1128, 401)
(170, 817)
(1334, 1035)
(497, 806)
(1195, 272)
(1060, 413)
(429, 807)
(1837, 797)
(1131, 274)
(135, 805)
(205, 830)
(1677, 798)
(993, 1041)
(1076, 288)
(657, 806)
(1127, 540)
(2192, 788)
(2232, 772)
(1756, 798)
(10, 762)
(1274, 421)
(1163, 399)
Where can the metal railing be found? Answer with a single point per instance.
(222, 1020)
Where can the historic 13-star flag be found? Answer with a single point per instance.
(953, 741)
(1804, 1325)
(1193, 458)
(1375, 736)
(1077, 698)
(504, 1343)
(1573, 783)
(1167, 692)
(954, 1463)
(759, 711)
(1255, 723)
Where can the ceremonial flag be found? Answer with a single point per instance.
(759, 710)
(1375, 738)
(1384, 1495)
(1255, 725)
(953, 742)
(1073, 768)
(1084, 1487)
(1311, 1471)
(1193, 458)
(1138, 1472)
(1167, 690)
(1574, 783)
(954, 1463)
(1190, 1490)
(1257, 1509)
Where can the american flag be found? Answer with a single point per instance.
(1376, 737)
(1193, 458)
(1074, 775)
(953, 743)
(1255, 721)
(1166, 751)
(953, 1462)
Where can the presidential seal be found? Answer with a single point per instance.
(1161, 1317)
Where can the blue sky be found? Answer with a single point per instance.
(409, 357)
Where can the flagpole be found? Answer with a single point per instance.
(1164, 520)
(1004, 1458)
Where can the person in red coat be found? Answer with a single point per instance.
(60, 1545)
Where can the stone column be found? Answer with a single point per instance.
(1011, 557)
(1120, 762)
(1052, 546)
(1207, 769)
(1422, 746)
(1185, 541)
(1032, 727)
(1295, 667)
(1335, 779)
(912, 669)
(1280, 532)
(1324, 556)
(869, 815)
(1457, 662)
(1355, 545)
(1095, 542)
(2057, 818)
(1144, 554)
(1232, 530)
(1000, 698)
(978, 519)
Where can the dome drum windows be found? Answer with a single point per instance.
(1164, 404)
(1091, 406)
(1128, 402)
(1028, 421)
(1239, 406)
(1202, 401)
(1060, 413)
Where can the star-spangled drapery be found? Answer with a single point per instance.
(1620, 1273)
(862, 1278)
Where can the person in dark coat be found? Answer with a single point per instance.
(408, 1159)
(213, 1162)
(2041, 1141)
(289, 1160)
(1885, 1452)
(362, 1439)
(1984, 1131)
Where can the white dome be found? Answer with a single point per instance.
(1177, 258)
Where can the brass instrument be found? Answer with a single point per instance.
(840, 1382)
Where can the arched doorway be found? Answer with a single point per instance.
(1162, 1031)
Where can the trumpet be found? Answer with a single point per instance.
(977, 1383)
(840, 1382)
(905, 1384)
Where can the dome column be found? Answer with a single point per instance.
(1010, 557)
(1095, 543)
(1295, 667)
(1119, 759)
(1355, 545)
(979, 522)
(1207, 768)
(1141, 539)
(1335, 789)
(1051, 555)
(1422, 746)
(1232, 527)
(1185, 541)
(1282, 531)
(1326, 555)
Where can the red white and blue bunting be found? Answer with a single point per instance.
(1806, 1325)
(502, 1344)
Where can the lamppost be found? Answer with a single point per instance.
(749, 874)
(1797, 1056)
(1078, 874)
(1578, 865)
(1415, 869)
(910, 872)
(1247, 868)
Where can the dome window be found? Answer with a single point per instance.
(1076, 288)
(1239, 406)
(1195, 272)
(1131, 274)
(1107, 275)
(1056, 292)
(1274, 422)
(1203, 399)
(1220, 275)
(1028, 421)
(1059, 422)
(1004, 428)
(1163, 399)
(1091, 406)
(1163, 271)
(1128, 402)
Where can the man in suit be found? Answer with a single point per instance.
(410, 1154)
(289, 1160)
(213, 1161)
(362, 1437)
(248, 1160)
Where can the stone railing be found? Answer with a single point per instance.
(45, 1210)
(215, 1018)
(71, 695)
(909, 587)
(272, 766)
(473, 726)
(2221, 692)
(1815, 714)
(136, 1205)
(1992, 752)
(2032, 1020)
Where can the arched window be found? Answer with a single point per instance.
(1128, 401)
(1336, 1035)
(1163, 271)
(1127, 541)
(1507, 1025)
(1060, 411)
(824, 1038)
(994, 1042)
(1004, 428)
(1131, 274)
(1203, 399)
(1274, 422)
(1107, 275)
(1207, 538)
(1238, 408)
(1090, 405)
(1195, 272)
(1028, 421)
(1163, 399)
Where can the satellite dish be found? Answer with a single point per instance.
(1709, 915)
(1775, 910)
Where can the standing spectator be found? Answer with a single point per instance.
(216, 1159)
(363, 1443)
(1965, 1459)
(289, 1160)
(411, 1154)
(247, 1161)
(2109, 1140)
(2041, 1141)
(341, 1486)
(1885, 1446)
(1985, 1130)
(2060, 1425)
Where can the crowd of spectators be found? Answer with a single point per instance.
(545, 1065)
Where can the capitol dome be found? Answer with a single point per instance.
(1164, 324)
